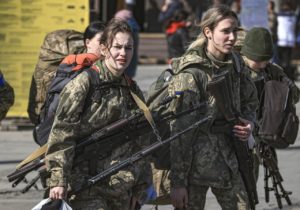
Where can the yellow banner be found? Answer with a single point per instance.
(23, 26)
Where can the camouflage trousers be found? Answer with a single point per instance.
(88, 200)
(234, 198)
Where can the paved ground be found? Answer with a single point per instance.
(15, 145)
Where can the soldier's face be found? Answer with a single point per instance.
(118, 57)
(93, 44)
(221, 40)
(257, 65)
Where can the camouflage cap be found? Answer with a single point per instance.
(241, 34)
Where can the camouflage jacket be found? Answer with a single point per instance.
(75, 119)
(7, 96)
(202, 157)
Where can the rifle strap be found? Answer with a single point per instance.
(36, 154)
(145, 109)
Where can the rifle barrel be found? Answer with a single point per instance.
(31, 183)
(267, 189)
(25, 170)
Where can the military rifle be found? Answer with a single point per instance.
(271, 170)
(220, 88)
(105, 136)
(31, 184)
(141, 154)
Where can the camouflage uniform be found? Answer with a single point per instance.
(241, 33)
(202, 159)
(75, 120)
(7, 96)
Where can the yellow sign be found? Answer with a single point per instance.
(23, 26)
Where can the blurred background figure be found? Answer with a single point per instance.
(177, 34)
(127, 15)
(151, 16)
(174, 20)
(91, 37)
(6, 96)
(286, 34)
(272, 20)
(272, 23)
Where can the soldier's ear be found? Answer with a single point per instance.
(87, 43)
(207, 32)
(103, 50)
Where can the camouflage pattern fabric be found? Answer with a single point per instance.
(72, 123)
(56, 46)
(229, 199)
(202, 158)
(241, 34)
(7, 96)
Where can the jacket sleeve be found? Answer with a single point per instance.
(188, 95)
(66, 130)
(249, 99)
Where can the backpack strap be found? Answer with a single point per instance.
(236, 62)
(80, 60)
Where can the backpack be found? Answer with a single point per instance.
(70, 67)
(279, 123)
(56, 46)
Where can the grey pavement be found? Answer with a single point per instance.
(16, 145)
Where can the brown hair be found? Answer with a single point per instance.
(113, 27)
(211, 19)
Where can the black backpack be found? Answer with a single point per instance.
(279, 123)
(65, 73)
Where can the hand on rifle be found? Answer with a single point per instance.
(179, 197)
(243, 130)
(58, 193)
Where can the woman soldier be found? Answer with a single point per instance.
(91, 37)
(206, 159)
(79, 116)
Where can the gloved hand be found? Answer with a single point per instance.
(179, 197)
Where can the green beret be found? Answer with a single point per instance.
(258, 45)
